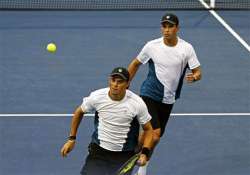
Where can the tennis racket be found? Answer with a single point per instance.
(128, 165)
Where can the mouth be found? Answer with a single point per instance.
(114, 89)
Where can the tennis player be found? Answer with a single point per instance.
(118, 115)
(168, 58)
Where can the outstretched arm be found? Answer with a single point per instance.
(194, 76)
(75, 122)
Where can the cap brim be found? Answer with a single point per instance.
(120, 75)
(171, 22)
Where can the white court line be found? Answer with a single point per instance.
(92, 115)
(244, 43)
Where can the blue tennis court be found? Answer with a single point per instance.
(208, 133)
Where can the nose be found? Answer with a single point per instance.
(167, 28)
(115, 83)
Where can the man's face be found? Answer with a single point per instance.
(169, 31)
(117, 85)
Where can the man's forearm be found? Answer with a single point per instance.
(148, 138)
(133, 67)
(148, 135)
(76, 120)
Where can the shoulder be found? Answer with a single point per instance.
(154, 41)
(99, 93)
(184, 43)
(131, 95)
(134, 98)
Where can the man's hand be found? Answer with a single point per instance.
(142, 160)
(195, 75)
(190, 78)
(67, 147)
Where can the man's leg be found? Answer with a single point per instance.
(95, 163)
(104, 162)
(94, 166)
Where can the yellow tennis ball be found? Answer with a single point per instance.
(51, 47)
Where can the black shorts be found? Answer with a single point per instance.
(104, 162)
(160, 113)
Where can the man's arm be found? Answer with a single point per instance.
(148, 135)
(194, 76)
(147, 144)
(133, 67)
(75, 122)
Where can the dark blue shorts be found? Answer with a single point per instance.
(104, 162)
(160, 113)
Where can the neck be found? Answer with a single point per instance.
(171, 42)
(117, 97)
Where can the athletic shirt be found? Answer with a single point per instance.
(116, 122)
(167, 66)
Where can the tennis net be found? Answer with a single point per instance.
(124, 4)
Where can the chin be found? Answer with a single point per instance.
(115, 93)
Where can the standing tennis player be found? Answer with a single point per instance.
(118, 115)
(168, 58)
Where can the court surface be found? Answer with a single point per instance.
(90, 44)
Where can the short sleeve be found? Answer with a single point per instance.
(143, 116)
(143, 56)
(88, 103)
(193, 61)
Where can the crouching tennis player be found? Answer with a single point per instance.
(118, 116)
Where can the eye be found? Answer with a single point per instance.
(169, 25)
(120, 81)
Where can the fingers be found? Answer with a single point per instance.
(67, 147)
(142, 160)
(190, 78)
(64, 151)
